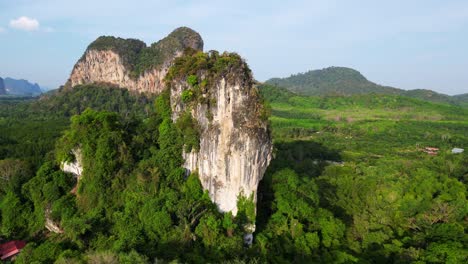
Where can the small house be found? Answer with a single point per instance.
(11, 249)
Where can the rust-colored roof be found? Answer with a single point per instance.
(11, 248)
(431, 149)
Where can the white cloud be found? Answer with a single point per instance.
(25, 23)
(2, 30)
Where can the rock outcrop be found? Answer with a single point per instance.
(74, 167)
(128, 63)
(234, 145)
(50, 224)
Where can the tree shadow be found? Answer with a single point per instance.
(306, 158)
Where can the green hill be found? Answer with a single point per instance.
(346, 81)
(333, 80)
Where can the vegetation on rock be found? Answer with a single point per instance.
(138, 58)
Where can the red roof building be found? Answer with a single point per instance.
(431, 151)
(11, 248)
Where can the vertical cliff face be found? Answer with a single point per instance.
(235, 145)
(129, 64)
(108, 67)
(216, 91)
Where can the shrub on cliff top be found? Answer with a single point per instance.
(212, 64)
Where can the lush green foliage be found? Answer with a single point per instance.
(213, 65)
(349, 182)
(357, 162)
(133, 201)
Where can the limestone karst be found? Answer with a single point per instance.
(234, 144)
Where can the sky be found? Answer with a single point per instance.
(418, 44)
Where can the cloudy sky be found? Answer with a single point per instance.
(406, 44)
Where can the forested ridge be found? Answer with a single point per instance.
(349, 183)
(344, 81)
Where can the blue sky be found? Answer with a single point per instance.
(406, 44)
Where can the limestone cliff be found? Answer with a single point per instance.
(129, 64)
(217, 91)
(235, 146)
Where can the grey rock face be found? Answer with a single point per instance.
(235, 146)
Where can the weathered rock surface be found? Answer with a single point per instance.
(107, 61)
(235, 146)
(50, 224)
(107, 67)
(75, 167)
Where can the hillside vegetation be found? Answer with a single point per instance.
(365, 155)
(346, 81)
(30, 126)
(350, 181)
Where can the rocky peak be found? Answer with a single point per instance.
(235, 146)
(129, 63)
(215, 90)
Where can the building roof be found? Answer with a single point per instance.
(431, 149)
(457, 150)
(11, 248)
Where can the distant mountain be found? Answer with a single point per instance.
(21, 87)
(2, 87)
(333, 80)
(347, 81)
